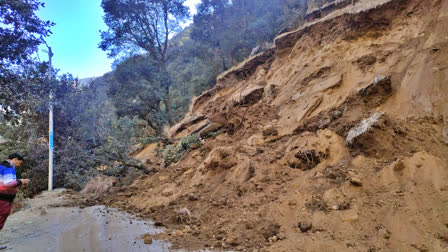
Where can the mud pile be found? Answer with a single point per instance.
(333, 140)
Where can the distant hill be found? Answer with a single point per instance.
(85, 82)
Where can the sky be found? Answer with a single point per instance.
(76, 36)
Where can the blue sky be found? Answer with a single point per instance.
(76, 36)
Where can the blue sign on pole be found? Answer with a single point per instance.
(51, 140)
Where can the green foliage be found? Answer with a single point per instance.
(141, 25)
(87, 135)
(136, 27)
(233, 28)
(136, 89)
(191, 141)
(173, 153)
(158, 85)
(21, 30)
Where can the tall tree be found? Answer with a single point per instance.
(134, 88)
(21, 32)
(143, 26)
(209, 26)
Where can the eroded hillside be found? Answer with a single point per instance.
(334, 139)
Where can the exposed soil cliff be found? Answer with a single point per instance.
(333, 140)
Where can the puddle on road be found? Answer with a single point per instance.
(90, 229)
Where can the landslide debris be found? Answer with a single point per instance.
(333, 140)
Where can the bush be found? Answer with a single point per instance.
(192, 141)
(173, 153)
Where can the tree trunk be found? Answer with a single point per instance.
(167, 99)
(167, 102)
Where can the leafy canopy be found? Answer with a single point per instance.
(21, 31)
(141, 26)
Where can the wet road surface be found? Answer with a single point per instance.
(41, 228)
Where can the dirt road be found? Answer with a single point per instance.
(45, 226)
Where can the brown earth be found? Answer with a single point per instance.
(279, 175)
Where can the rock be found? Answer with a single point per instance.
(349, 215)
(43, 211)
(305, 226)
(380, 84)
(216, 158)
(147, 238)
(362, 128)
(158, 224)
(217, 244)
(281, 236)
(399, 165)
(233, 240)
(187, 229)
(193, 197)
(240, 248)
(189, 172)
(187, 122)
(269, 130)
(164, 179)
(274, 238)
(248, 97)
(355, 181)
(167, 192)
(212, 127)
(182, 215)
(179, 233)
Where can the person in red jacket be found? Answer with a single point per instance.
(9, 185)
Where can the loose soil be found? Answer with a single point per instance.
(278, 174)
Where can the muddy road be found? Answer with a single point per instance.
(43, 225)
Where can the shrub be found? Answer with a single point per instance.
(173, 153)
(191, 141)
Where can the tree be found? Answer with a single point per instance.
(209, 26)
(143, 26)
(135, 90)
(21, 31)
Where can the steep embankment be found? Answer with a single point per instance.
(292, 168)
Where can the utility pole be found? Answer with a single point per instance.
(50, 128)
(50, 120)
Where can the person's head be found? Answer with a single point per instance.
(16, 159)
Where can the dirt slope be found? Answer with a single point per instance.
(281, 175)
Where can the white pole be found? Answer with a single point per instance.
(50, 133)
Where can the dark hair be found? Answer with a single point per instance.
(15, 155)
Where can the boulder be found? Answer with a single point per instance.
(212, 127)
(187, 122)
(248, 97)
